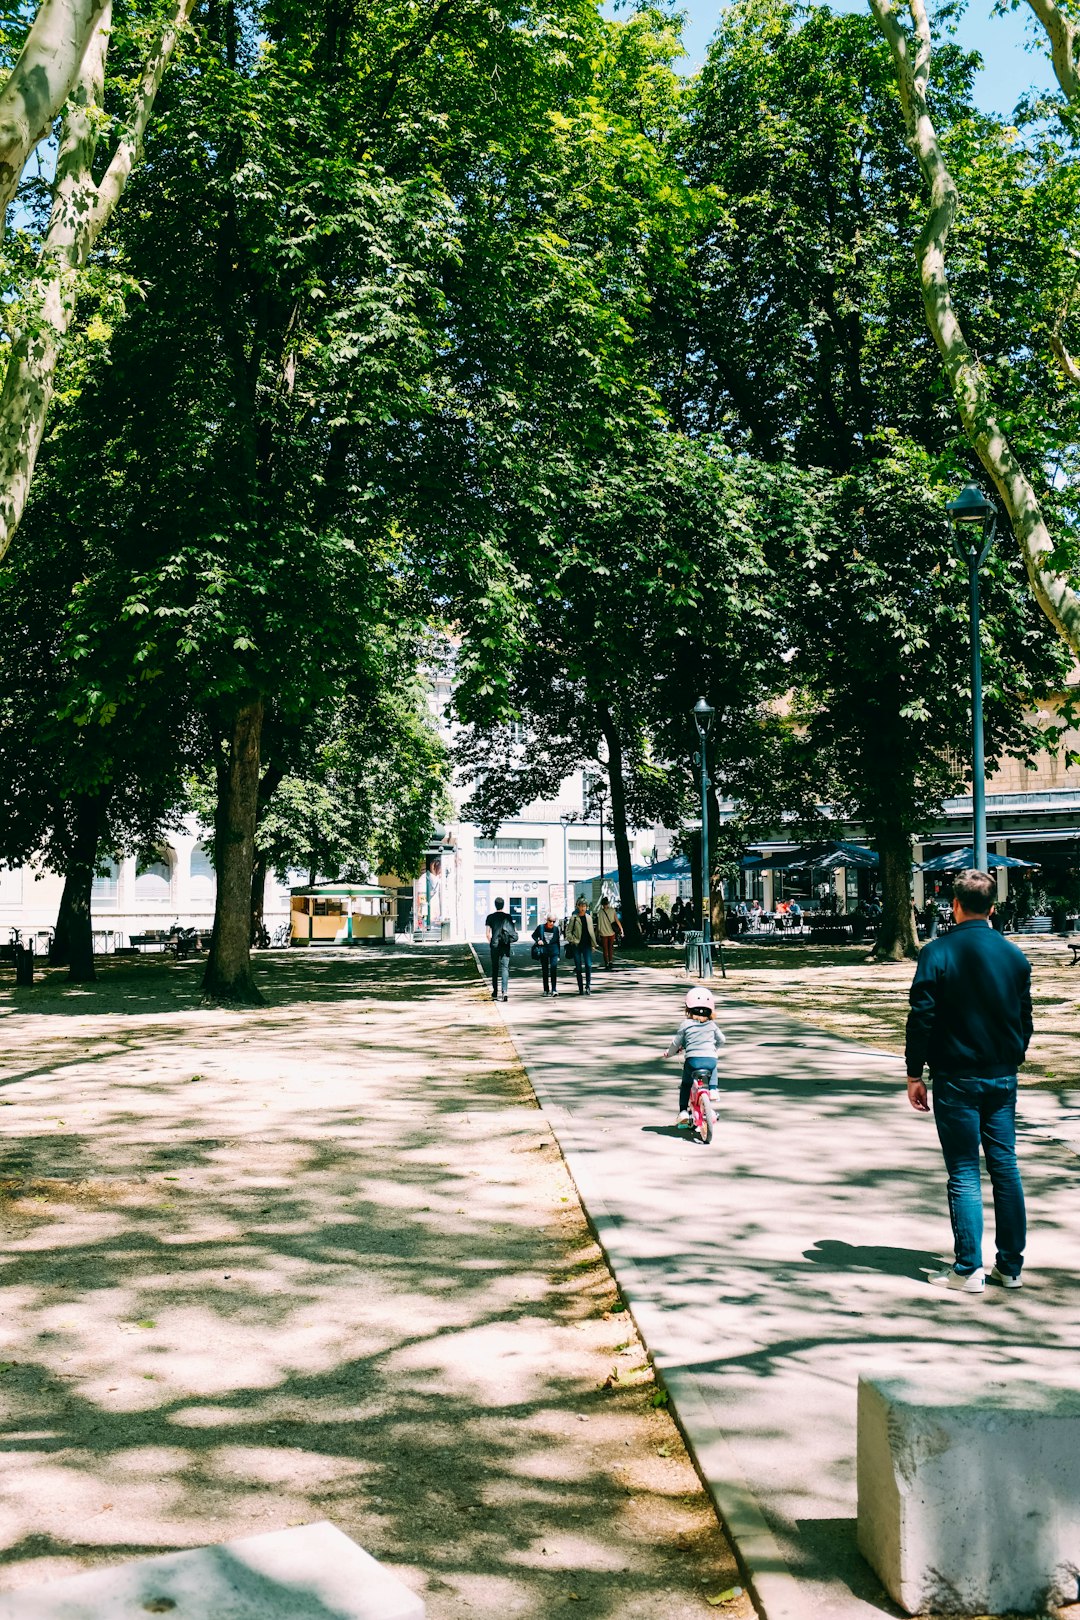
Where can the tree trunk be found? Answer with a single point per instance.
(911, 57)
(620, 832)
(896, 939)
(258, 892)
(81, 208)
(228, 975)
(41, 81)
(73, 940)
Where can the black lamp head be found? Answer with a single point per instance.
(970, 506)
(703, 716)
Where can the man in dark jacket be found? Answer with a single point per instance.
(970, 1021)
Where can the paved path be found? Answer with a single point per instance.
(769, 1270)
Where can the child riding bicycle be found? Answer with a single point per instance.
(699, 1037)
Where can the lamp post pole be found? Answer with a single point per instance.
(703, 718)
(976, 526)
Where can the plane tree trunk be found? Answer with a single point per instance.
(72, 943)
(228, 976)
(911, 52)
(620, 831)
(896, 940)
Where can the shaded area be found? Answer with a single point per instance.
(321, 1260)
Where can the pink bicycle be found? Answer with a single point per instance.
(701, 1110)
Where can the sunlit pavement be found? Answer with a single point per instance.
(769, 1270)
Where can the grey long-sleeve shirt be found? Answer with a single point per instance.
(697, 1037)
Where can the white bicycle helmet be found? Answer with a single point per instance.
(700, 1000)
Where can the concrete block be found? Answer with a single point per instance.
(969, 1491)
(310, 1573)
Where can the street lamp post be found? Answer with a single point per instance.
(703, 718)
(976, 525)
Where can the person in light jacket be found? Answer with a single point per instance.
(581, 939)
(608, 927)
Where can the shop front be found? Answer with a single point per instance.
(343, 914)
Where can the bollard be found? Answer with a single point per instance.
(24, 966)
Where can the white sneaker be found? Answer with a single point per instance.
(1004, 1278)
(684, 1118)
(973, 1283)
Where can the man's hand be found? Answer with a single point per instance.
(916, 1095)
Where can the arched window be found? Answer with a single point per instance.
(153, 876)
(203, 880)
(106, 884)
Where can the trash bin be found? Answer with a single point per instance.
(444, 929)
(24, 965)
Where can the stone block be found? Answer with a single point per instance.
(310, 1573)
(969, 1491)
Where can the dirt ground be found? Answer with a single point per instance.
(840, 990)
(321, 1260)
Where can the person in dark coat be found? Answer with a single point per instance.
(970, 1022)
(548, 941)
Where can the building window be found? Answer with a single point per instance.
(153, 877)
(484, 845)
(202, 874)
(10, 886)
(583, 846)
(106, 884)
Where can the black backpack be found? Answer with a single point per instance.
(504, 934)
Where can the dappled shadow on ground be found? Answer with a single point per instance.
(257, 1279)
(840, 989)
(791, 1256)
(133, 985)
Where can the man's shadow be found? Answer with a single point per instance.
(833, 1255)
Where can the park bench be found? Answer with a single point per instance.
(155, 939)
(1074, 946)
(969, 1490)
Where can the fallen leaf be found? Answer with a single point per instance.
(724, 1597)
(663, 1451)
(146, 1322)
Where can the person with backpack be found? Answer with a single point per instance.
(501, 936)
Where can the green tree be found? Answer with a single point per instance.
(801, 337)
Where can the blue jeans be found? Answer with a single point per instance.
(500, 971)
(967, 1112)
(583, 959)
(692, 1066)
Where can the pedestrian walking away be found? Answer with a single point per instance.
(502, 934)
(608, 927)
(699, 1038)
(970, 1023)
(581, 940)
(547, 946)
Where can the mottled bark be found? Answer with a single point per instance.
(619, 830)
(911, 55)
(41, 81)
(896, 938)
(1062, 32)
(80, 211)
(228, 976)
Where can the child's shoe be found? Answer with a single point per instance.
(684, 1118)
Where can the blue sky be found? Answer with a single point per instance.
(1008, 68)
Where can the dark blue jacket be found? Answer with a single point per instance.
(970, 1005)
